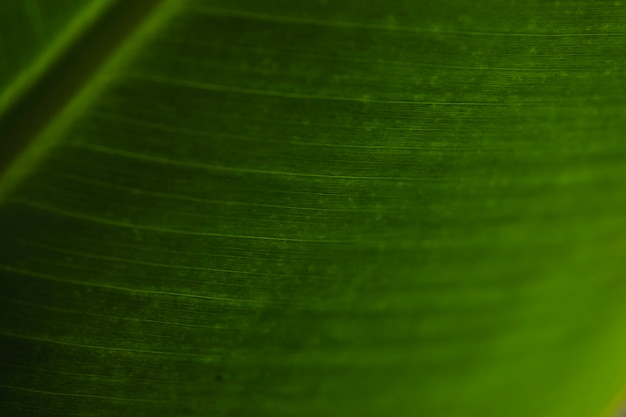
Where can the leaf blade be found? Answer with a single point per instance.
(370, 254)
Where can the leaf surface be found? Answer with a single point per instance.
(324, 209)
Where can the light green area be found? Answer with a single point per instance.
(285, 208)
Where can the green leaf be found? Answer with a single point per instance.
(276, 208)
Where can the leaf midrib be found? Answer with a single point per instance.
(38, 105)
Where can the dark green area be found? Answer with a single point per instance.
(67, 74)
(276, 208)
(28, 26)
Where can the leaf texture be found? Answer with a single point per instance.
(326, 209)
